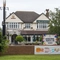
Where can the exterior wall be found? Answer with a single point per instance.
(9, 39)
(34, 26)
(30, 50)
(13, 32)
(13, 20)
(20, 50)
(42, 17)
(22, 25)
(42, 29)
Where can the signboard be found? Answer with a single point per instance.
(49, 39)
(46, 49)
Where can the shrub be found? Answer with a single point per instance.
(3, 43)
(41, 38)
(19, 38)
(58, 40)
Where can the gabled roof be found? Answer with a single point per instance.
(44, 15)
(27, 16)
(9, 15)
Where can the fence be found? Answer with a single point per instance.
(23, 50)
(32, 49)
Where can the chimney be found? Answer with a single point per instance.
(47, 13)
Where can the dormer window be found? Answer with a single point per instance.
(27, 25)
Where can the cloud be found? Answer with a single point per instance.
(38, 6)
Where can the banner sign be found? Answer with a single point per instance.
(46, 49)
(49, 39)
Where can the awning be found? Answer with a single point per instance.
(34, 32)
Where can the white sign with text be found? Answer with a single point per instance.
(46, 49)
(49, 39)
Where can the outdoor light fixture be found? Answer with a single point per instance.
(4, 2)
(4, 17)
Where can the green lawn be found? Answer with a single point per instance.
(30, 57)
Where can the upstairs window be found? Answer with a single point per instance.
(27, 25)
(42, 24)
(13, 25)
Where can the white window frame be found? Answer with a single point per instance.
(27, 25)
(42, 25)
(13, 25)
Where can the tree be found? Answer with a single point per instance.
(19, 38)
(54, 25)
(3, 43)
(0, 29)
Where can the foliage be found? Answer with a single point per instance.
(0, 29)
(54, 25)
(19, 38)
(41, 38)
(58, 40)
(3, 43)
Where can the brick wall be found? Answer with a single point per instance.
(14, 50)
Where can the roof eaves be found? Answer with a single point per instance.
(10, 15)
(45, 15)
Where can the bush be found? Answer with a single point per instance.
(41, 38)
(3, 43)
(58, 40)
(19, 38)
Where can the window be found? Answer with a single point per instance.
(41, 24)
(27, 25)
(13, 25)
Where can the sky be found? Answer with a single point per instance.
(39, 6)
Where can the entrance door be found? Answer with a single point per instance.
(13, 37)
(29, 39)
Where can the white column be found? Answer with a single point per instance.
(31, 39)
(9, 39)
(27, 38)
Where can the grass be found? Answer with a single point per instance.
(30, 57)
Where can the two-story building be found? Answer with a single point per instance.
(29, 24)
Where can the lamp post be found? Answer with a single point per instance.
(4, 8)
(4, 16)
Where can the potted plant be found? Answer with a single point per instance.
(19, 38)
(41, 39)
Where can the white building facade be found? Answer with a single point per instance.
(28, 24)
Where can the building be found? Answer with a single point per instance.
(29, 24)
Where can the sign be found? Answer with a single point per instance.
(46, 49)
(49, 39)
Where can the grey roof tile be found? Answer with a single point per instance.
(27, 16)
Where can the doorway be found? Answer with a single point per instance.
(13, 37)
